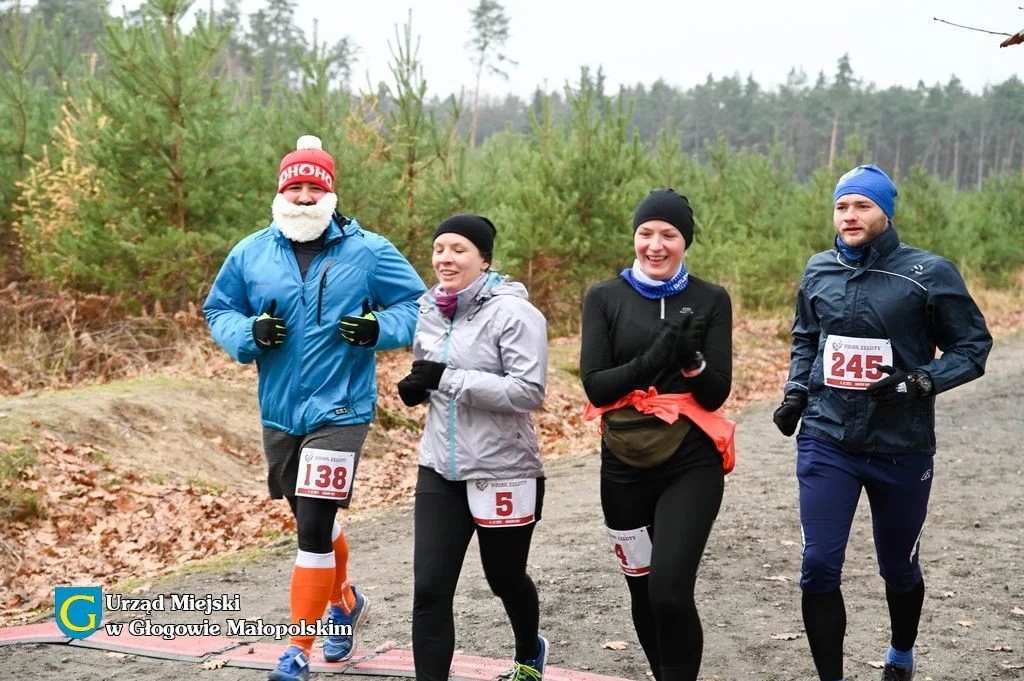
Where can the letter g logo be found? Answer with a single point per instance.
(78, 609)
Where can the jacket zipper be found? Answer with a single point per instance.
(320, 293)
(632, 425)
(452, 471)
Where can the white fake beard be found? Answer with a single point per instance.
(303, 223)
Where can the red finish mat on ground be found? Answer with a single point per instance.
(238, 653)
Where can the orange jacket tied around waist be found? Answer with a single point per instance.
(668, 407)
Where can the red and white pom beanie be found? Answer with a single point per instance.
(308, 163)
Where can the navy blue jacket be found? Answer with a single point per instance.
(917, 300)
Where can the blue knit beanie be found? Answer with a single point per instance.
(872, 182)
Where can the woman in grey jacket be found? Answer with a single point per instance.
(481, 362)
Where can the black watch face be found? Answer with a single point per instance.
(925, 383)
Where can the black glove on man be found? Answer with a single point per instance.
(788, 413)
(269, 331)
(899, 387)
(363, 330)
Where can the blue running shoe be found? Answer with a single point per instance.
(894, 673)
(340, 648)
(531, 670)
(293, 666)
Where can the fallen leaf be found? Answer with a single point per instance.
(1011, 665)
(948, 594)
(877, 665)
(999, 649)
(785, 637)
(776, 578)
(385, 647)
(213, 664)
(116, 656)
(615, 645)
(1017, 611)
(966, 623)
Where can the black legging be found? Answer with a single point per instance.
(444, 527)
(679, 512)
(314, 519)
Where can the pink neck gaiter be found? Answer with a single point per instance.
(447, 303)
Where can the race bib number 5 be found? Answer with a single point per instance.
(633, 550)
(324, 474)
(502, 503)
(852, 363)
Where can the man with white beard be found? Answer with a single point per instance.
(310, 299)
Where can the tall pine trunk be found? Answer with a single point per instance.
(178, 153)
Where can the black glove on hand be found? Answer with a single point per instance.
(363, 330)
(663, 350)
(691, 340)
(788, 413)
(899, 387)
(411, 390)
(428, 373)
(268, 331)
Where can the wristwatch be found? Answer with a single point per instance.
(923, 381)
(696, 365)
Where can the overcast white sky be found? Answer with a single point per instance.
(889, 41)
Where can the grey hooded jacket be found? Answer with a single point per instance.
(496, 348)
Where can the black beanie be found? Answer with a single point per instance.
(667, 205)
(476, 228)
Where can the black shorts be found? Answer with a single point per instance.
(282, 453)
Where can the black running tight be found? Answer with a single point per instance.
(679, 513)
(444, 527)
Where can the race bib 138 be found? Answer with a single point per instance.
(324, 474)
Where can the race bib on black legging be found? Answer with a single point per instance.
(633, 550)
(502, 503)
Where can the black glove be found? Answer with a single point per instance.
(411, 390)
(899, 387)
(663, 350)
(268, 331)
(428, 373)
(788, 413)
(691, 341)
(363, 330)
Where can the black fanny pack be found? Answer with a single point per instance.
(642, 440)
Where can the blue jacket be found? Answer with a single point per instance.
(315, 378)
(914, 298)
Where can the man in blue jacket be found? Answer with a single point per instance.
(310, 299)
(870, 315)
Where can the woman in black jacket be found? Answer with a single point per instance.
(654, 326)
